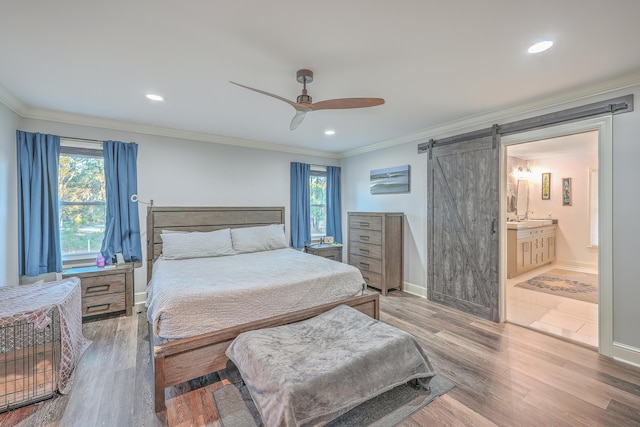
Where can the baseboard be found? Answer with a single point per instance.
(413, 289)
(138, 301)
(626, 353)
(585, 267)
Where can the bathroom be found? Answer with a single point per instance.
(552, 265)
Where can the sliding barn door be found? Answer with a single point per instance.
(462, 215)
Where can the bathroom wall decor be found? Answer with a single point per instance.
(566, 191)
(546, 186)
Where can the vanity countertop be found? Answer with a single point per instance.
(531, 223)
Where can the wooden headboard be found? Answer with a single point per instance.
(202, 218)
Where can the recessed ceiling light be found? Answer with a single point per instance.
(540, 46)
(154, 97)
(329, 132)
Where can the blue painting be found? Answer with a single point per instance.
(390, 180)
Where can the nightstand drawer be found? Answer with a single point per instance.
(365, 236)
(103, 304)
(366, 264)
(101, 285)
(365, 222)
(365, 249)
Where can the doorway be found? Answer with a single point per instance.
(576, 156)
(552, 245)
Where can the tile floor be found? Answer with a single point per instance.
(571, 319)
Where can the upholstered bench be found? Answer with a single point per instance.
(311, 372)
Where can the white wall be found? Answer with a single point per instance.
(8, 198)
(572, 240)
(356, 197)
(177, 172)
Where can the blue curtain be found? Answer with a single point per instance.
(122, 231)
(300, 205)
(38, 220)
(334, 209)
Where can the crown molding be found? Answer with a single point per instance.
(14, 104)
(478, 121)
(490, 118)
(78, 119)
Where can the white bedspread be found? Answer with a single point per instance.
(194, 296)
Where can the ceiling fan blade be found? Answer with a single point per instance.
(295, 105)
(343, 103)
(297, 119)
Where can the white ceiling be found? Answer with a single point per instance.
(434, 62)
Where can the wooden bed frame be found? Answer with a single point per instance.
(188, 358)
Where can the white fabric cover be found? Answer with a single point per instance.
(193, 296)
(197, 244)
(256, 239)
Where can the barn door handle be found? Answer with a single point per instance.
(493, 226)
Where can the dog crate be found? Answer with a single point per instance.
(29, 360)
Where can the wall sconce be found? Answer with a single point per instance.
(522, 173)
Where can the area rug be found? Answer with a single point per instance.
(565, 283)
(235, 407)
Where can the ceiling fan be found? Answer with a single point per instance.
(304, 104)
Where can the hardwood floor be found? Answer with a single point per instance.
(505, 375)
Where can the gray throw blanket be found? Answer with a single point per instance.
(308, 373)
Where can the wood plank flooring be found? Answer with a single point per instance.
(505, 375)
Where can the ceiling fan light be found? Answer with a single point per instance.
(540, 46)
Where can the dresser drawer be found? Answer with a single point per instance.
(365, 222)
(103, 304)
(366, 264)
(365, 236)
(365, 249)
(101, 285)
(372, 279)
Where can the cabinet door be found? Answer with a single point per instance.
(551, 248)
(541, 253)
(525, 255)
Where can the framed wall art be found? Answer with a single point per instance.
(566, 191)
(546, 186)
(390, 180)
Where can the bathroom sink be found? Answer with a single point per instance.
(528, 223)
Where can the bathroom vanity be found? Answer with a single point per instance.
(530, 244)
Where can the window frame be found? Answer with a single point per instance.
(316, 171)
(88, 149)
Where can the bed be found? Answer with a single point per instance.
(178, 357)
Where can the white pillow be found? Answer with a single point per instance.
(256, 239)
(196, 244)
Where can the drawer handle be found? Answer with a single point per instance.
(364, 251)
(366, 279)
(98, 288)
(100, 307)
(364, 224)
(364, 264)
(364, 237)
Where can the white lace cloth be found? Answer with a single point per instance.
(33, 304)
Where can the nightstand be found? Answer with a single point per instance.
(331, 251)
(105, 291)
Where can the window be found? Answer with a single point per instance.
(82, 200)
(318, 196)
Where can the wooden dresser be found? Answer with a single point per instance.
(105, 292)
(376, 246)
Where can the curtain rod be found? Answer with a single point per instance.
(92, 141)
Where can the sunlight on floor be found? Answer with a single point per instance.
(571, 319)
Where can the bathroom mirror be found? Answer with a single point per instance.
(522, 203)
